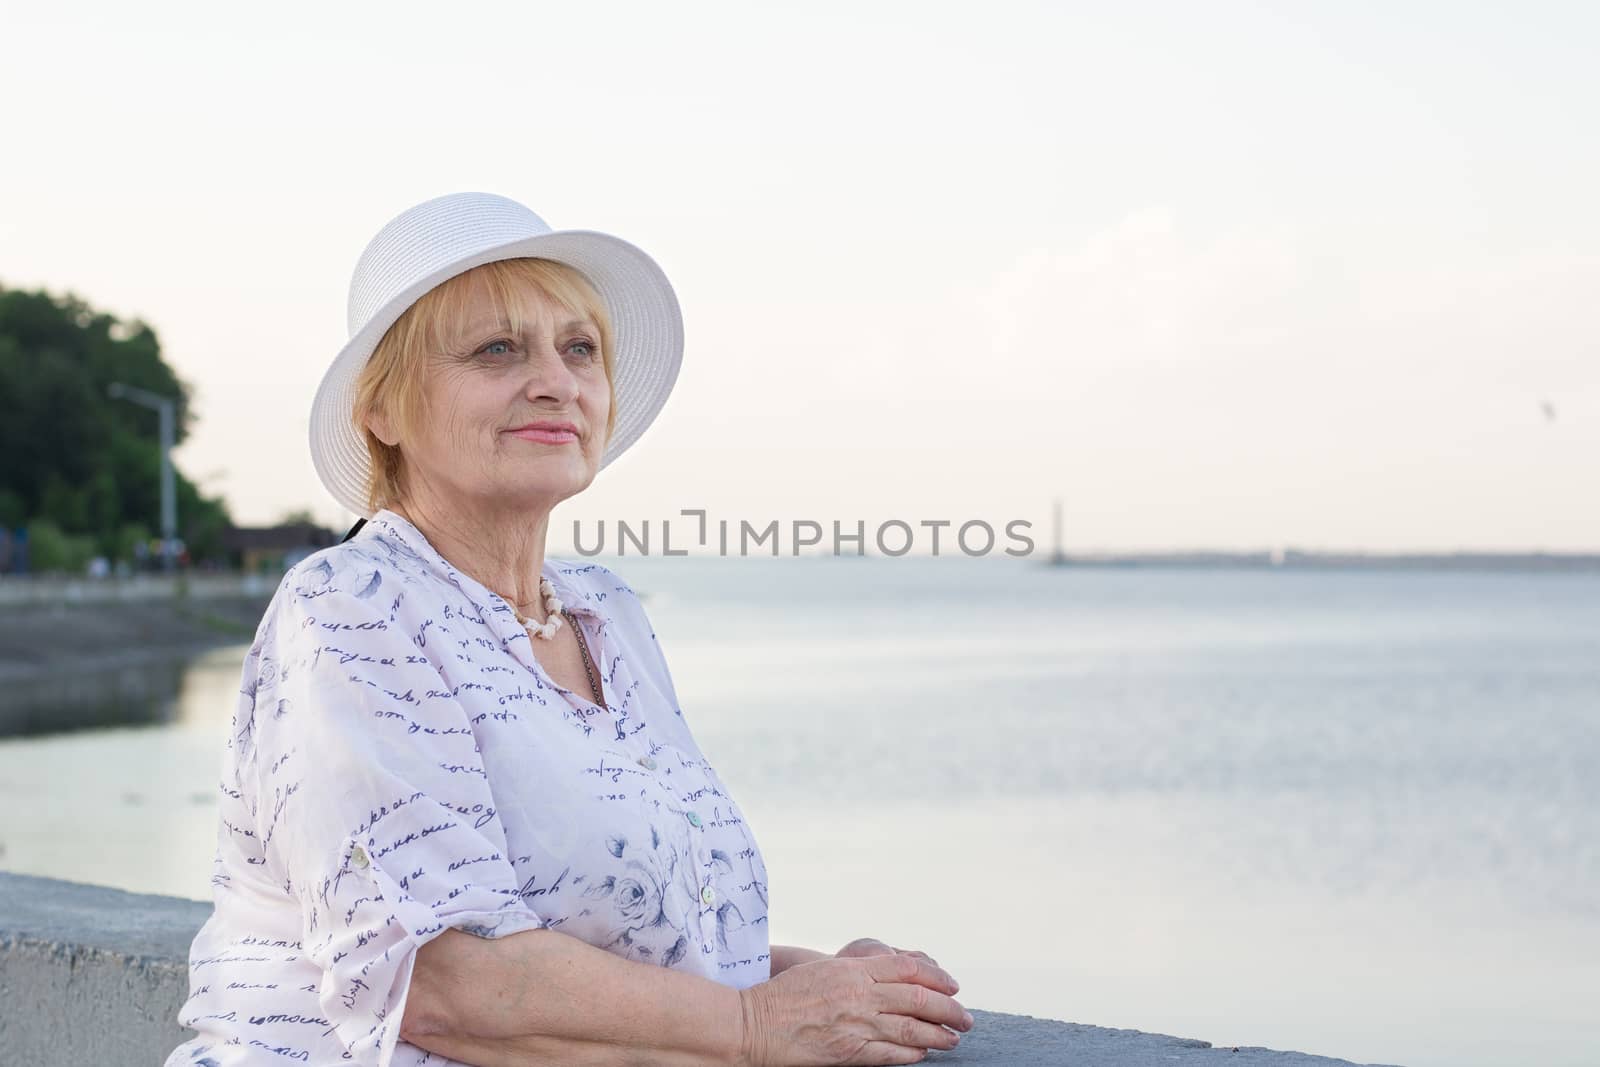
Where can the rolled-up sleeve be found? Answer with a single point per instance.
(371, 801)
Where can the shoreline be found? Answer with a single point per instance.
(37, 640)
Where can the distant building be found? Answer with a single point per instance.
(274, 549)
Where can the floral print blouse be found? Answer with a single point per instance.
(399, 763)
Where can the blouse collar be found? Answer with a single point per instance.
(401, 529)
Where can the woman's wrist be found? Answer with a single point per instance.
(786, 956)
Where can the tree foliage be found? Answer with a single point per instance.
(72, 457)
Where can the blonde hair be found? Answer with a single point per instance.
(391, 381)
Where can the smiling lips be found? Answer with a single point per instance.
(547, 432)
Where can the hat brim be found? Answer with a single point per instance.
(647, 330)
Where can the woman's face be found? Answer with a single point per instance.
(479, 396)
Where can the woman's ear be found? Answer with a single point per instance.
(378, 423)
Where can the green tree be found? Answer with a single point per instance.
(73, 458)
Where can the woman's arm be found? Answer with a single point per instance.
(786, 956)
(544, 997)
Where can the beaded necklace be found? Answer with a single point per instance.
(554, 616)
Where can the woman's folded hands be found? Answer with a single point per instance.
(869, 1009)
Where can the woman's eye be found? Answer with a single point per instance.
(502, 348)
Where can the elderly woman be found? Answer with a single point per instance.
(464, 820)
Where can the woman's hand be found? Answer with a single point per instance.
(871, 946)
(878, 1009)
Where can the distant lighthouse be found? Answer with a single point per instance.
(1058, 557)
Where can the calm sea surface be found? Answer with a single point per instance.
(1352, 813)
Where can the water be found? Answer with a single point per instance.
(1354, 813)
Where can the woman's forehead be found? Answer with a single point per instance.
(564, 321)
(486, 307)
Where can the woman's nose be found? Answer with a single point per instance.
(549, 375)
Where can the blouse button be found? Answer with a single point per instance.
(358, 856)
(647, 763)
(708, 895)
(694, 818)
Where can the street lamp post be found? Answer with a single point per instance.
(168, 409)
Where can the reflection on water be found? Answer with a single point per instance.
(132, 806)
(95, 695)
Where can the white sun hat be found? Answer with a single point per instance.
(449, 235)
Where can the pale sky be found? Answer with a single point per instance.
(1219, 275)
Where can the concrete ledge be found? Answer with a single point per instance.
(96, 975)
(90, 974)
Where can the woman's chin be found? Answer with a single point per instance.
(542, 481)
